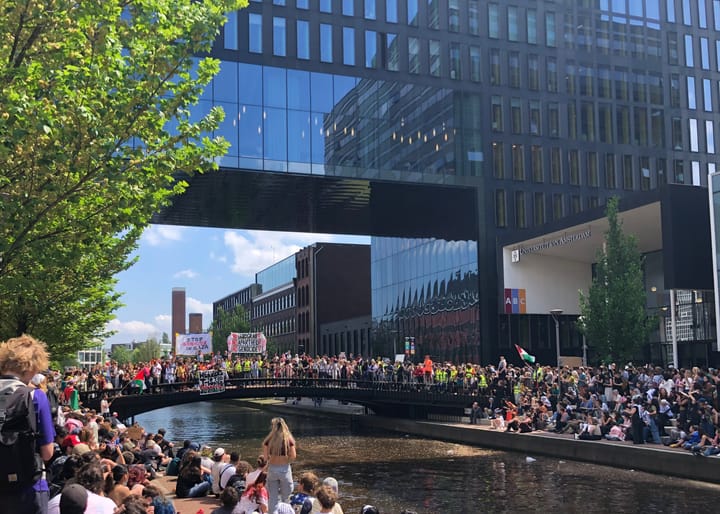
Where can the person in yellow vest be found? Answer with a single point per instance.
(482, 383)
(247, 366)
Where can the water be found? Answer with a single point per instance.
(396, 472)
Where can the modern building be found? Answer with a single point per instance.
(90, 357)
(177, 322)
(441, 127)
(315, 301)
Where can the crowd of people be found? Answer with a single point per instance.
(92, 462)
(95, 463)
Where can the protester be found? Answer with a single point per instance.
(279, 451)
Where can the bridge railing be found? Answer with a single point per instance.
(387, 387)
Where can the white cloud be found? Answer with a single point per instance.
(254, 251)
(218, 258)
(194, 305)
(186, 273)
(156, 235)
(128, 331)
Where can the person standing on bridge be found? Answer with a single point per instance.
(279, 450)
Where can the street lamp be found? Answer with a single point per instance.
(555, 313)
(583, 327)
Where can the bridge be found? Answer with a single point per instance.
(390, 399)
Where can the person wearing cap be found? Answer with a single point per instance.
(220, 462)
(91, 477)
(73, 499)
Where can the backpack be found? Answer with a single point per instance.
(20, 464)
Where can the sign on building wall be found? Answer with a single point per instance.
(515, 301)
(192, 344)
(251, 342)
(212, 382)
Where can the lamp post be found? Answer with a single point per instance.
(581, 326)
(555, 313)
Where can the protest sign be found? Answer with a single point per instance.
(212, 382)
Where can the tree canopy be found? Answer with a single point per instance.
(224, 322)
(97, 132)
(614, 318)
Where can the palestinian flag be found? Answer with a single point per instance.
(530, 359)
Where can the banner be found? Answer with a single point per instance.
(192, 344)
(212, 382)
(250, 342)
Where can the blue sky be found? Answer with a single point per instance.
(209, 263)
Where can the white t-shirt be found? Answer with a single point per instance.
(96, 505)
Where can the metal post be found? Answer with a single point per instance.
(584, 351)
(555, 313)
(673, 328)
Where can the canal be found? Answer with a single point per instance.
(396, 472)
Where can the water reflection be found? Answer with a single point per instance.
(394, 471)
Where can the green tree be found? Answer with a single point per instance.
(235, 320)
(147, 351)
(614, 318)
(96, 135)
(122, 355)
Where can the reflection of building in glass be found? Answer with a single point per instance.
(544, 109)
(426, 289)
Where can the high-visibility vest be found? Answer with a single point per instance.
(246, 365)
(482, 380)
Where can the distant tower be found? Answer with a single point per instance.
(178, 313)
(196, 326)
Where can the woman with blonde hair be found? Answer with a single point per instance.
(279, 451)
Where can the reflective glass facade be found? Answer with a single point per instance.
(426, 289)
(279, 274)
(326, 124)
(545, 108)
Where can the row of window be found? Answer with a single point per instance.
(510, 21)
(569, 170)
(604, 123)
(387, 51)
(624, 171)
(276, 328)
(286, 301)
(355, 342)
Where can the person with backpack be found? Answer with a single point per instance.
(26, 427)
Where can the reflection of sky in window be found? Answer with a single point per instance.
(693, 135)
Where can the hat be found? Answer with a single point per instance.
(38, 379)
(219, 452)
(194, 446)
(370, 509)
(332, 483)
(284, 508)
(73, 500)
(80, 449)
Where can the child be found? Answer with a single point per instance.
(302, 500)
(327, 497)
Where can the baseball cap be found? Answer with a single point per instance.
(74, 499)
(219, 452)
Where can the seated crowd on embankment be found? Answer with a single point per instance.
(642, 404)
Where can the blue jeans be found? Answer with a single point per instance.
(27, 501)
(279, 484)
(199, 490)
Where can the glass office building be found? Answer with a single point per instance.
(544, 108)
